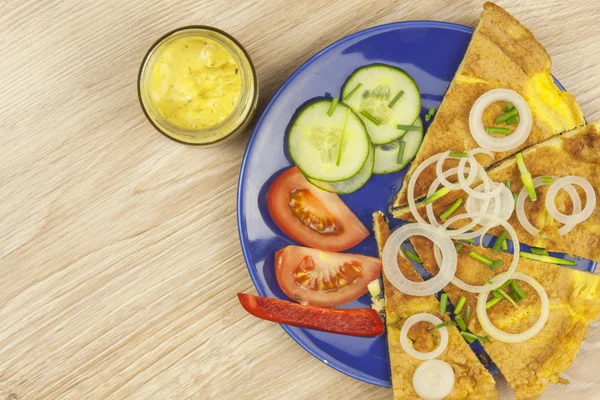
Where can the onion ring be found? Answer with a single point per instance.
(517, 138)
(419, 355)
(389, 258)
(504, 204)
(576, 217)
(434, 380)
(506, 337)
(412, 182)
(442, 177)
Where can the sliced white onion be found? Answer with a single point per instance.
(473, 162)
(434, 380)
(499, 279)
(442, 177)
(412, 182)
(502, 205)
(577, 216)
(431, 286)
(407, 346)
(506, 337)
(523, 195)
(509, 142)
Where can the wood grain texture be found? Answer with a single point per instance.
(119, 251)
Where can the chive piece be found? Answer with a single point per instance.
(513, 121)
(493, 302)
(457, 247)
(352, 91)
(496, 293)
(409, 127)
(412, 256)
(507, 297)
(515, 197)
(339, 155)
(458, 154)
(539, 251)
(495, 265)
(504, 246)
(469, 340)
(481, 258)
(547, 179)
(517, 290)
(461, 323)
(505, 284)
(498, 131)
(447, 323)
(499, 240)
(460, 305)
(508, 184)
(332, 107)
(395, 99)
(509, 106)
(370, 117)
(427, 117)
(443, 303)
(468, 313)
(401, 147)
(488, 281)
(440, 193)
(547, 259)
(526, 177)
(471, 240)
(451, 210)
(506, 116)
(473, 337)
(431, 111)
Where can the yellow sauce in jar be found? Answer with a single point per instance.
(196, 83)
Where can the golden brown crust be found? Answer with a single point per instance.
(575, 301)
(473, 381)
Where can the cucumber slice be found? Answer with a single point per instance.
(386, 155)
(349, 185)
(379, 86)
(328, 148)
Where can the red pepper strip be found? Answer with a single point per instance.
(357, 322)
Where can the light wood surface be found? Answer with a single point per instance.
(119, 254)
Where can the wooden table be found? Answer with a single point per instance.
(119, 250)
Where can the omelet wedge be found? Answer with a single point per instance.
(574, 302)
(576, 153)
(502, 54)
(473, 381)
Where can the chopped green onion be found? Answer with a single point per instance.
(469, 340)
(481, 258)
(460, 305)
(401, 147)
(505, 284)
(493, 302)
(495, 265)
(513, 121)
(427, 117)
(458, 154)
(515, 197)
(334, 103)
(339, 154)
(517, 290)
(508, 184)
(547, 179)
(471, 240)
(488, 281)
(438, 194)
(547, 259)
(370, 117)
(499, 240)
(498, 131)
(509, 106)
(451, 210)
(507, 297)
(395, 99)
(447, 323)
(539, 251)
(353, 91)
(526, 177)
(457, 247)
(412, 256)
(472, 336)
(461, 323)
(443, 303)
(496, 293)
(506, 116)
(468, 313)
(504, 245)
(409, 127)
(431, 111)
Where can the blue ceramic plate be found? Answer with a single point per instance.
(430, 52)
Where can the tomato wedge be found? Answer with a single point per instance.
(312, 216)
(322, 278)
(357, 322)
